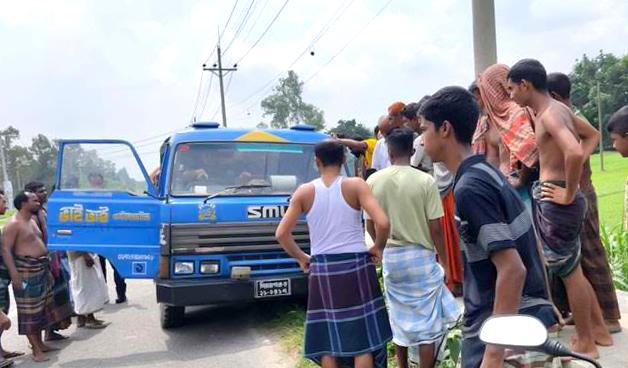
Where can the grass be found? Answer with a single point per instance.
(610, 186)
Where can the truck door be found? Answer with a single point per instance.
(105, 203)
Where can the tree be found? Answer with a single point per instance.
(44, 153)
(351, 129)
(262, 125)
(286, 105)
(612, 74)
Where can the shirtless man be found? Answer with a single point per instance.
(559, 205)
(26, 258)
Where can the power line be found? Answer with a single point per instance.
(259, 16)
(239, 29)
(211, 79)
(265, 31)
(339, 12)
(198, 96)
(350, 41)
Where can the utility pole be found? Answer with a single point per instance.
(221, 72)
(7, 186)
(484, 44)
(600, 125)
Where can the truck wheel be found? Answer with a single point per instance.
(171, 316)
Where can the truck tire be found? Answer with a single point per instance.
(171, 316)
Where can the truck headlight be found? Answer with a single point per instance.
(183, 268)
(210, 267)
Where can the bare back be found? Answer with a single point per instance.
(26, 236)
(551, 156)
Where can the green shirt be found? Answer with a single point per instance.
(410, 198)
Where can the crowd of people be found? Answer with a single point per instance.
(484, 190)
(49, 287)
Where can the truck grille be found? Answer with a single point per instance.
(231, 237)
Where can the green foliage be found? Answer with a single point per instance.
(612, 74)
(286, 105)
(610, 187)
(615, 241)
(351, 129)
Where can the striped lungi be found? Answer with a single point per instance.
(36, 305)
(421, 307)
(346, 314)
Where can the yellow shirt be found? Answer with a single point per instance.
(410, 199)
(368, 155)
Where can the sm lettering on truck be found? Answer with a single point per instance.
(259, 212)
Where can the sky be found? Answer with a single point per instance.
(132, 69)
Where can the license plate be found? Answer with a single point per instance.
(272, 287)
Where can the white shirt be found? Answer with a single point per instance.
(420, 159)
(381, 160)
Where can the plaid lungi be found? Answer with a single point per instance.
(5, 280)
(594, 266)
(346, 314)
(421, 307)
(558, 229)
(61, 294)
(36, 307)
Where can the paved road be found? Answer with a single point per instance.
(212, 337)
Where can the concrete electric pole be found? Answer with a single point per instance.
(484, 43)
(221, 72)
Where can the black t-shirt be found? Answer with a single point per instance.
(491, 217)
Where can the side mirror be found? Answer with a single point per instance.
(514, 331)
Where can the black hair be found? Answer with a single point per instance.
(618, 122)
(20, 199)
(560, 84)
(376, 131)
(455, 105)
(330, 153)
(400, 141)
(422, 102)
(410, 110)
(34, 186)
(473, 87)
(532, 71)
(2, 192)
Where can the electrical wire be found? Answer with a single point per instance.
(264, 33)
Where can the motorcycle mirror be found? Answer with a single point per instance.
(514, 331)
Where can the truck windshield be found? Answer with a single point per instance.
(202, 169)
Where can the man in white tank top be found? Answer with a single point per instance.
(344, 293)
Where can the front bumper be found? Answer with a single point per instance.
(219, 291)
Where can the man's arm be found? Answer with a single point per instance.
(376, 214)
(287, 224)
(589, 136)
(436, 230)
(511, 274)
(9, 238)
(574, 158)
(359, 146)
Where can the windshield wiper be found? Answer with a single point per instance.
(233, 188)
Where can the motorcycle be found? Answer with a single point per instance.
(528, 333)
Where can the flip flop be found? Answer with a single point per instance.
(56, 337)
(6, 363)
(12, 354)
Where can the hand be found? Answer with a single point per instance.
(554, 193)
(89, 261)
(5, 322)
(376, 254)
(304, 263)
(201, 174)
(515, 182)
(493, 357)
(17, 282)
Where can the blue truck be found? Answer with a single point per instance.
(202, 226)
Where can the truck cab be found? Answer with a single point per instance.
(202, 226)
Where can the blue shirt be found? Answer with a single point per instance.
(491, 217)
